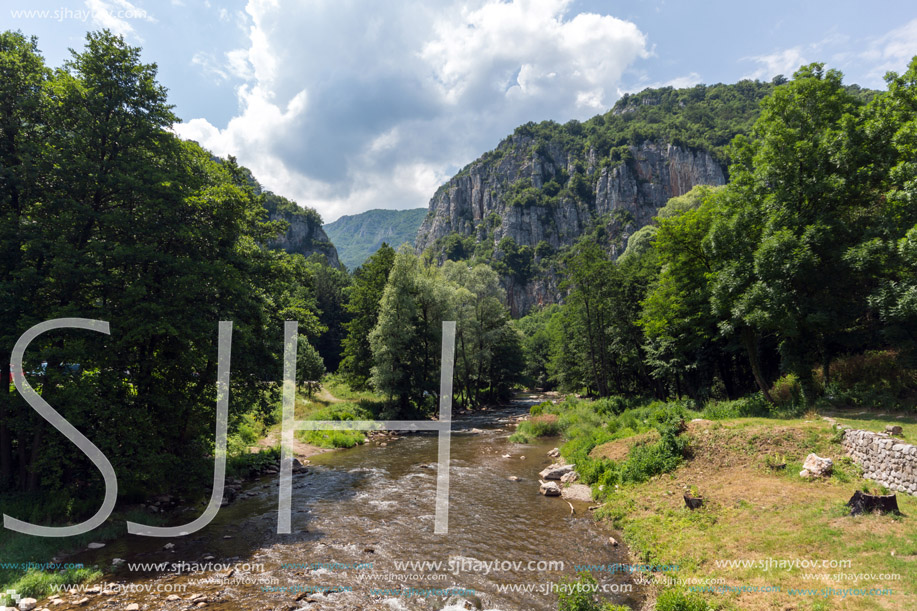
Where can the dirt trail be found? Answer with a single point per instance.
(301, 449)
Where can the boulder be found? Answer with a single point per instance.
(550, 489)
(894, 429)
(817, 466)
(577, 492)
(95, 546)
(556, 471)
(27, 604)
(570, 477)
(554, 453)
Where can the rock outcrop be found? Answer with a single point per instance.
(482, 201)
(521, 205)
(305, 236)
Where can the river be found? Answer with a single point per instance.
(359, 515)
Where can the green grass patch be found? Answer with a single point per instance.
(336, 439)
(38, 584)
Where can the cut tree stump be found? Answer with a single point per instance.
(861, 502)
(693, 502)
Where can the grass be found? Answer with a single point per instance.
(871, 421)
(754, 513)
(337, 401)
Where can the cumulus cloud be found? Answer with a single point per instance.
(350, 106)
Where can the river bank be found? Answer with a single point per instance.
(765, 537)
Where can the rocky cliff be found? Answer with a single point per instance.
(623, 198)
(547, 185)
(636, 190)
(305, 235)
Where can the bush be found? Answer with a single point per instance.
(645, 461)
(250, 464)
(875, 370)
(541, 425)
(579, 595)
(787, 393)
(676, 600)
(750, 406)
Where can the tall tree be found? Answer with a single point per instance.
(363, 302)
(406, 340)
(800, 203)
(23, 108)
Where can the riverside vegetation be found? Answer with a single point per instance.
(787, 290)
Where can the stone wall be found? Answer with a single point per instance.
(884, 459)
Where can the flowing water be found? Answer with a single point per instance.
(359, 514)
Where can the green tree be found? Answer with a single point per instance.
(407, 338)
(798, 210)
(23, 110)
(488, 348)
(683, 343)
(363, 302)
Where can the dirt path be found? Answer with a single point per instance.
(301, 449)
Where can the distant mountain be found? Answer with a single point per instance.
(358, 236)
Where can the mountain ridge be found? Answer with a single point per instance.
(357, 236)
(521, 206)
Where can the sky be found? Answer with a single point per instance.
(348, 105)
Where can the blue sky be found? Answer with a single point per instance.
(347, 105)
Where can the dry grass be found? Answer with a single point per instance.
(753, 513)
(618, 450)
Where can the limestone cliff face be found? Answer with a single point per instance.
(481, 201)
(304, 236)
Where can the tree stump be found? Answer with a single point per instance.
(861, 502)
(694, 502)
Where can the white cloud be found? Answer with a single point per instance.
(116, 15)
(350, 106)
(679, 82)
(891, 52)
(784, 62)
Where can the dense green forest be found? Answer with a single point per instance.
(107, 215)
(772, 286)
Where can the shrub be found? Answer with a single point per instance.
(877, 369)
(579, 595)
(752, 405)
(541, 425)
(645, 461)
(545, 425)
(787, 392)
(249, 464)
(676, 600)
